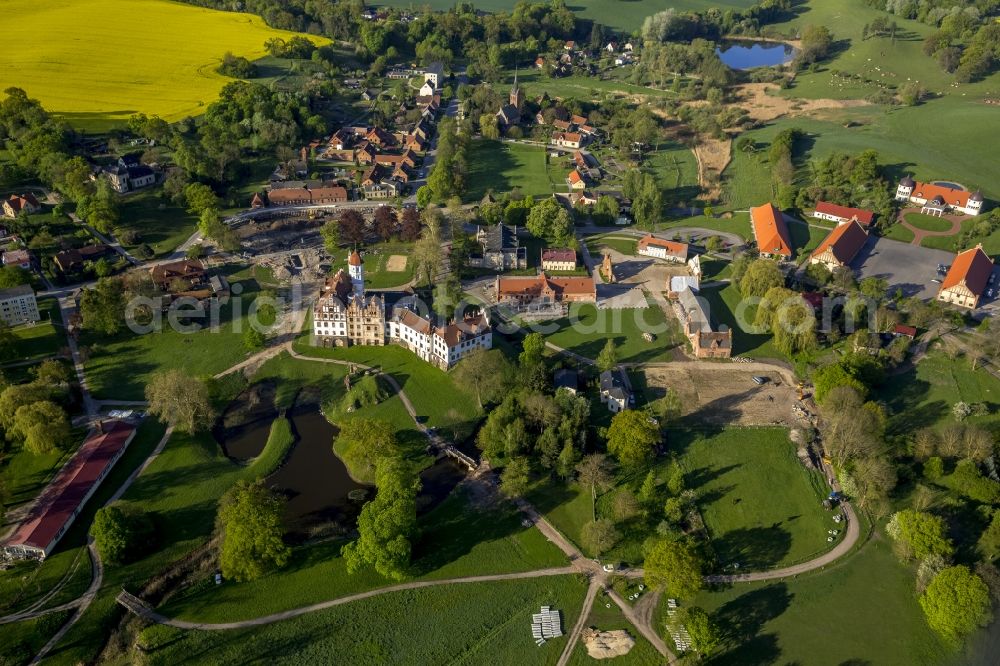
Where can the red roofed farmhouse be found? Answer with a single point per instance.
(771, 232)
(62, 500)
(841, 246)
(967, 278)
(651, 246)
(541, 289)
(842, 214)
(559, 259)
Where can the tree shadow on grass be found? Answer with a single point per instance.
(754, 548)
(744, 617)
(703, 475)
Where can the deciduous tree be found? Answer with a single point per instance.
(956, 603)
(632, 437)
(179, 400)
(250, 525)
(674, 567)
(600, 536)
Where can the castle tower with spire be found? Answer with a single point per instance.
(516, 94)
(356, 269)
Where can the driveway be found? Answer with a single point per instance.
(908, 267)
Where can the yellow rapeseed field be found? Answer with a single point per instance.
(96, 62)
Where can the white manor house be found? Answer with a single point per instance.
(939, 198)
(344, 315)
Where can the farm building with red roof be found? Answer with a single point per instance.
(842, 214)
(651, 246)
(967, 278)
(61, 502)
(770, 231)
(841, 246)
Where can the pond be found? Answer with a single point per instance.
(315, 482)
(747, 54)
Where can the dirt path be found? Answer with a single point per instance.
(581, 622)
(920, 234)
(643, 624)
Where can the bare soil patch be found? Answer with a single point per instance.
(396, 263)
(726, 394)
(757, 100)
(713, 157)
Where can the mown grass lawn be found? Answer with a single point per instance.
(738, 223)
(928, 222)
(119, 367)
(454, 541)
(861, 610)
(776, 519)
(924, 394)
(746, 181)
(502, 167)
(473, 623)
(41, 339)
(435, 396)
(586, 330)
(761, 507)
(376, 259)
(156, 222)
(72, 67)
(21, 641)
(991, 243)
(897, 231)
(621, 244)
(724, 307)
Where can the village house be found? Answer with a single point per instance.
(386, 189)
(500, 249)
(840, 246)
(316, 193)
(48, 520)
(584, 197)
(541, 290)
(15, 204)
(426, 90)
(73, 260)
(938, 198)
(540, 63)
(129, 174)
(559, 259)
(705, 342)
(566, 139)
(562, 125)
(614, 393)
(434, 74)
(651, 246)
(771, 232)
(178, 276)
(842, 214)
(18, 305)
(967, 279)
(576, 180)
(19, 258)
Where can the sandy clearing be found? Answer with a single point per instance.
(396, 263)
(758, 101)
(726, 396)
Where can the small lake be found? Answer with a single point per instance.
(747, 54)
(313, 479)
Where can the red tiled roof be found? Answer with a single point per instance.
(575, 177)
(679, 249)
(559, 254)
(534, 286)
(471, 327)
(844, 242)
(951, 196)
(770, 230)
(908, 331)
(863, 216)
(971, 268)
(62, 497)
(567, 136)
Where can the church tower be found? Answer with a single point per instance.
(516, 94)
(356, 269)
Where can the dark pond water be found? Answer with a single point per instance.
(314, 480)
(747, 55)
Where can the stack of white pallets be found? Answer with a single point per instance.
(546, 625)
(682, 639)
